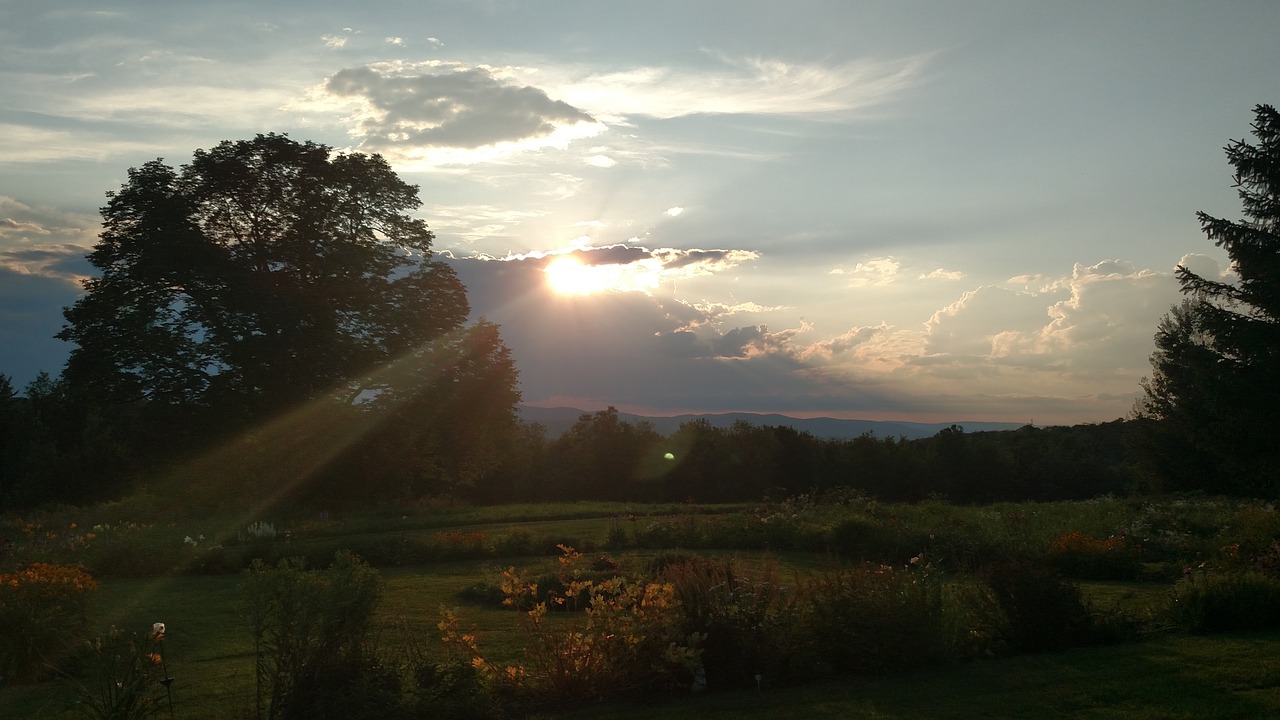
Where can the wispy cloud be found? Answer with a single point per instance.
(753, 86)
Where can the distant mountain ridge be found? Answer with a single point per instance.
(559, 419)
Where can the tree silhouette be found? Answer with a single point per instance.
(1216, 368)
(270, 277)
(265, 273)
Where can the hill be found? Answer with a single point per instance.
(559, 419)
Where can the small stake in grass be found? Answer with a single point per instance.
(157, 636)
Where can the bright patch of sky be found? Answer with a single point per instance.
(933, 211)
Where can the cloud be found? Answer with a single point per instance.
(25, 227)
(942, 274)
(9, 226)
(472, 223)
(63, 262)
(872, 273)
(416, 110)
(600, 161)
(758, 86)
(1071, 353)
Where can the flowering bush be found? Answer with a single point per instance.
(42, 618)
(1083, 556)
(630, 637)
(457, 544)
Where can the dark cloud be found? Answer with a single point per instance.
(449, 106)
(709, 259)
(634, 351)
(611, 255)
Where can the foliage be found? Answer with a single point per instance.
(264, 272)
(243, 303)
(1043, 611)
(42, 618)
(628, 638)
(1080, 555)
(127, 678)
(746, 619)
(1215, 370)
(875, 618)
(312, 633)
(1212, 602)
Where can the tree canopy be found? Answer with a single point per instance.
(278, 297)
(1216, 369)
(264, 273)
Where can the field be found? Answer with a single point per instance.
(431, 558)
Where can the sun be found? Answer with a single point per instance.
(568, 276)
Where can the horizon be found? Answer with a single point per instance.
(861, 211)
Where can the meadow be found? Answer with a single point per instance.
(1168, 606)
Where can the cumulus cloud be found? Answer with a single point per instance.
(942, 274)
(1071, 351)
(877, 272)
(412, 109)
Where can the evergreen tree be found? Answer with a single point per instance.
(1216, 369)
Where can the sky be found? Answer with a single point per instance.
(932, 210)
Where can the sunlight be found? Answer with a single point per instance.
(569, 276)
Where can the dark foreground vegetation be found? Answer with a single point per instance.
(456, 611)
(265, 485)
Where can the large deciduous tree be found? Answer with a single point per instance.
(266, 274)
(1215, 380)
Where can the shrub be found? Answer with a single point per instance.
(745, 622)
(875, 618)
(311, 634)
(628, 637)
(42, 618)
(1043, 611)
(1224, 602)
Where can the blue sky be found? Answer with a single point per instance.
(932, 211)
